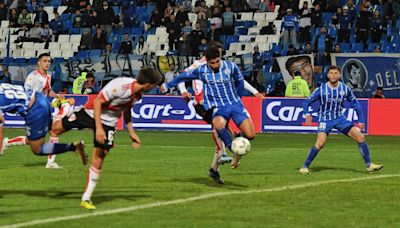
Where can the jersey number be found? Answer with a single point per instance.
(13, 91)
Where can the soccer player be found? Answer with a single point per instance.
(35, 109)
(40, 81)
(101, 114)
(331, 95)
(220, 156)
(222, 81)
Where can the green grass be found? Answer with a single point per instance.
(173, 165)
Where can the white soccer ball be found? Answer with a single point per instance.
(241, 146)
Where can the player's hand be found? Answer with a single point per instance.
(163, 88)
(308, 120)
(361, 126)
(260, 95)
(135, 140)
(100, 135)
(186, 96)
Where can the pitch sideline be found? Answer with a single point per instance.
(190, 199)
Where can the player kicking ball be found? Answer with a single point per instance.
(35, 109)
(331, 95)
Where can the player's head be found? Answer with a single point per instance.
(44, 62)
(334, 74)
(301, 64)
(213, 56)
(354, 73)
(148, 77)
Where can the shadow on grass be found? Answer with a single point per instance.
(317, 169)
(207, 181)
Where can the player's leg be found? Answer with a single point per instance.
(319, 144)
(100, 151)
(355, 134)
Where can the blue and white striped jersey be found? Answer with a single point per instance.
(220, 89)
(14, 99)
(332, 100)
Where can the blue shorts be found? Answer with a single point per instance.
(39, 118)
(236, 111)
(341, 124)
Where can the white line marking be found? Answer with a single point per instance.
(190, 199)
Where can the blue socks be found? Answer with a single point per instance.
(311, 155)
(364, 151)
(55, 148)
(225, 135)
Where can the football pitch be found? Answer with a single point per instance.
(165, 184)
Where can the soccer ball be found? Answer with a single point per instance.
(241, 146)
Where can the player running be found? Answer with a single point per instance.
(331, 96)
(222, 81)
(40, 81)
(101, 114)
(35, 109)
(220, 156)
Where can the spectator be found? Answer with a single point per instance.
(258, 63)
(292, 51)
(316, 16)
(379, 93)
(376, 27)
(214, 34)
(41, 16)
(270, 29)
(290, 27)
(228, 21)
(128, 13)
(195, 40)
(35, 33)
(86, 41)
(363, 26)
(126, 45)
(106, 16)
(345, 23)
(5, 76)
(87, 17)
(77, 18)
(323, 46)
(187, 29)
(90, 86)
(181, 16)
(25, 18)
(305, 23)
(297, 87)
(13, 18)
(141, 47)
(99, 39)
(56, 25)
(47, 35)
(3, 12)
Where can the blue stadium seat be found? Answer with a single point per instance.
(83, 54)
(357, 47)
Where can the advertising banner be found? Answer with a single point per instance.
(286, 115)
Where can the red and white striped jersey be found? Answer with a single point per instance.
(119, 94)
(38, 82)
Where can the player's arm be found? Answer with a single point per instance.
(252, 90)
(239, 79)
(355, 105)
(128, 122)
(316, 95)
(98, 103)
(182, 77)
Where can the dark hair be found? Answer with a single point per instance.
(334, 68)
(148, 75)
(44, 55)
(292, 60)
(212, 52)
